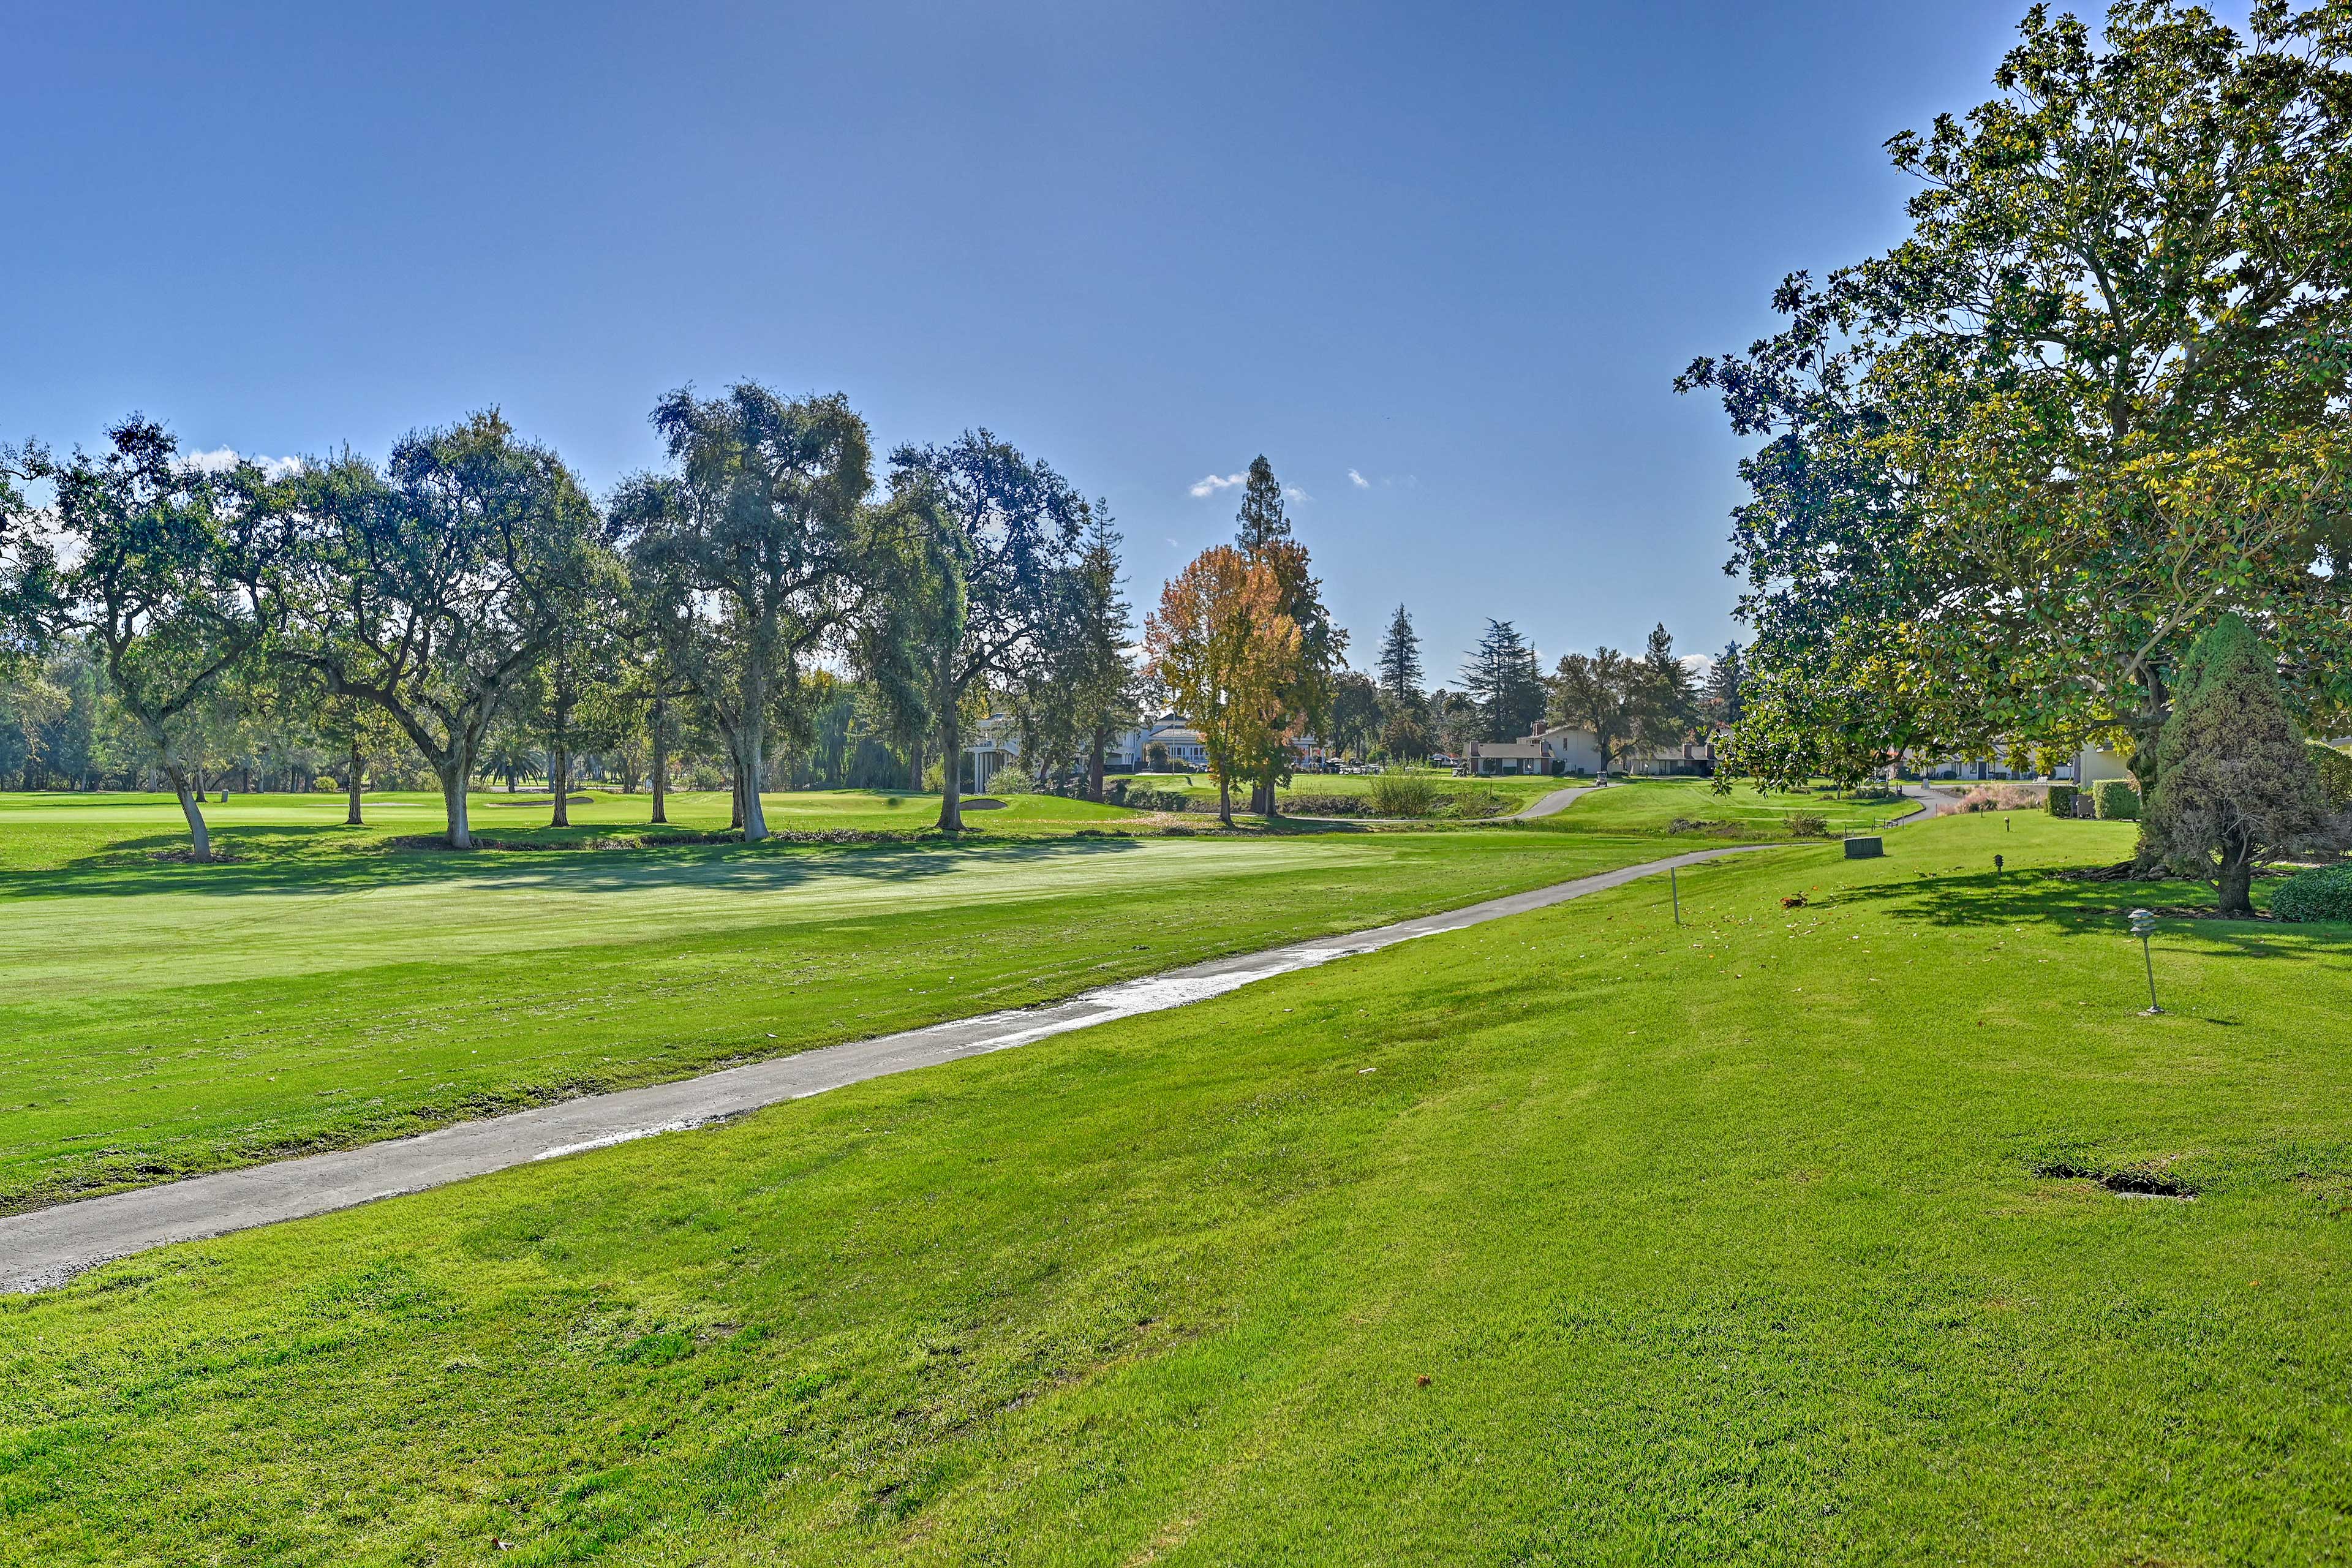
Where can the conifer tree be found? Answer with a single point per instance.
(2235, 783)
(1400, 660)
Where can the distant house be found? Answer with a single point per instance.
(1545, 750)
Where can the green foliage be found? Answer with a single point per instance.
(2323, 893)
(1805, 825)
(2235, 780)
(2335, 769)
(1503, 679)
(1403, 794)
(2117, 801)
(2011, 468)
(2062, 800)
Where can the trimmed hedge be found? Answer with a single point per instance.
(2117, 801)
(2325, 894)
(2062, 799)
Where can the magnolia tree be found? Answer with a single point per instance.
(2097, 398)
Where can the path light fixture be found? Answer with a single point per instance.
(2142, 926)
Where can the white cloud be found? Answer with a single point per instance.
(1293, 492)
(1173, 545)
(220, 459)
(1212, 484)
(1359, 480)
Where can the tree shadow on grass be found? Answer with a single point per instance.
(299, 860)
(2062, 907)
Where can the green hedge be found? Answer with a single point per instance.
(2117, 801)
(2062, 799)
(2321, 895)
(2335, 774)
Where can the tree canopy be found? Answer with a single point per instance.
(2096, 399)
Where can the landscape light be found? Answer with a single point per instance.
(2142, 926)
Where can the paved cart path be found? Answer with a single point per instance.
(47, 1246)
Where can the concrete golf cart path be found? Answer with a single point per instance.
(47, 1247)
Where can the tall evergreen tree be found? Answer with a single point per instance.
(1263, 520)
(1720, 702)
(1503, 679)
(2235, 782)
(1668, 706)
(1398, 664)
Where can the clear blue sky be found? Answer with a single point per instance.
(1438, 262)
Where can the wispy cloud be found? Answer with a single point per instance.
(1213, 483)
(1359, 480)
(1291, 493)
(220, 459)
(1385, 482)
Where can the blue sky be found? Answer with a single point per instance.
(1439, 262)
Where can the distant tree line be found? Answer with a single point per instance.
(757, 610)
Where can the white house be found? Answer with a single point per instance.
(1546, 751)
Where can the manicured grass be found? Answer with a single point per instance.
(168, 1019)
(1636, 1244)
(38, 831)
(1653, 805)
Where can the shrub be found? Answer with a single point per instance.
(2062, 799)
(1999, 798)
(1403, 794)
(2334, 776)
(325, 784)
(1476, 803)
(2117, 801)
(1804, 826)
(2321, 895)
(1125, 793)
(1323, 804)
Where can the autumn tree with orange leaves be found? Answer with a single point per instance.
(1227, 653)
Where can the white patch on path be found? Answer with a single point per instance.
(47, 1246)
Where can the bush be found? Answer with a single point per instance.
(2062, 799)
(1804, 826)
(1477, 802)
(2117, 801)
(2321, 895)
(1403, 794)
(1125, 793)
(325, 784)
(1323, 804)
(2334, 776)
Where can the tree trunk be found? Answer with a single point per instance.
(915, 764)
(2236, 883)
(750, 741)
(352, 797)
(950, 752)
(661, 766)
(1095, 768)
(1224, 798)
(200, 840)
(454, 777)
(559, 773)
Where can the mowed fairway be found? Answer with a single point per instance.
(1731, 1243)
(168, 1018)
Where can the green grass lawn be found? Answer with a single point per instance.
(1653, 805)
(41, 831)
(167, 1018)
(1573, 1238)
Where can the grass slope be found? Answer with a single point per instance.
(171, 1018)
(1572, 1238)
